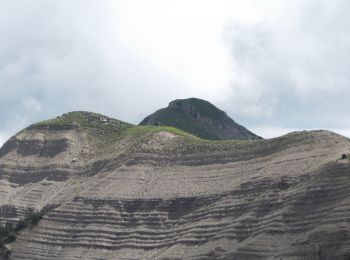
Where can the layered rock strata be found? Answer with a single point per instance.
(158, 194)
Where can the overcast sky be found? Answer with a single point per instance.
(273, 66)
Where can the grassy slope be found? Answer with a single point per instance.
(105, 137)
(114, 130)
(174, 116)
(179, 120)
(206, 108)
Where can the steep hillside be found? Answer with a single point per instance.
(116, 191)
(200, 118)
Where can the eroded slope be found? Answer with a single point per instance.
(158, 193)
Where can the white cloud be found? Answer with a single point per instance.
(271, 62)
(187, 38)
(271, 132)
(292, 70)
(32, 105)
(2, 140)
(342, 131)
(181, 37)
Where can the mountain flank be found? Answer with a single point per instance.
(106, 189)
(200, 118)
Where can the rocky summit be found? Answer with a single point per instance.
(200, 118)
(106, 189)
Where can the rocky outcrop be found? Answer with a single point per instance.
(200, 118)
(157, 194)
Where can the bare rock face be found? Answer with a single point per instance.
(154, 193)
(200, 118)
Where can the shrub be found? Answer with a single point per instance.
(11, 237)
(8, 232)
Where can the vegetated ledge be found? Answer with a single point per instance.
(9, 231)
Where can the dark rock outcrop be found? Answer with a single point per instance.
(200, 118)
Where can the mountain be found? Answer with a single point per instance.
(111, 190)
(200, 118)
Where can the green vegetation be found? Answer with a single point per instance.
(82, 119)
(200, 118)
(107, 136)
(8, 232)
(102, 132)
(77, 118)
(138, 131)
(177, 119)
(186, 144)
(206, 108)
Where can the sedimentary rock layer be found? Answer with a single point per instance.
(162, 195)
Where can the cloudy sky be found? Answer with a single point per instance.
(273, 65)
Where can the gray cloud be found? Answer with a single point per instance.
(287, 73)
(293, 72)
(58, 56)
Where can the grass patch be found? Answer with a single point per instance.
(200, 118)
(177, 119)
(136, 135)
(105, 135)
(70, 118)
(102, 132)
(206, 108)
(81, 119)
(139, 131)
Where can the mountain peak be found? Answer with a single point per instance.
(201, 118)
(198, 107)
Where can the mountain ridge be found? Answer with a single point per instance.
(200, 118)
(113, 190)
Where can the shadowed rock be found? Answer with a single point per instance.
(200, 118)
